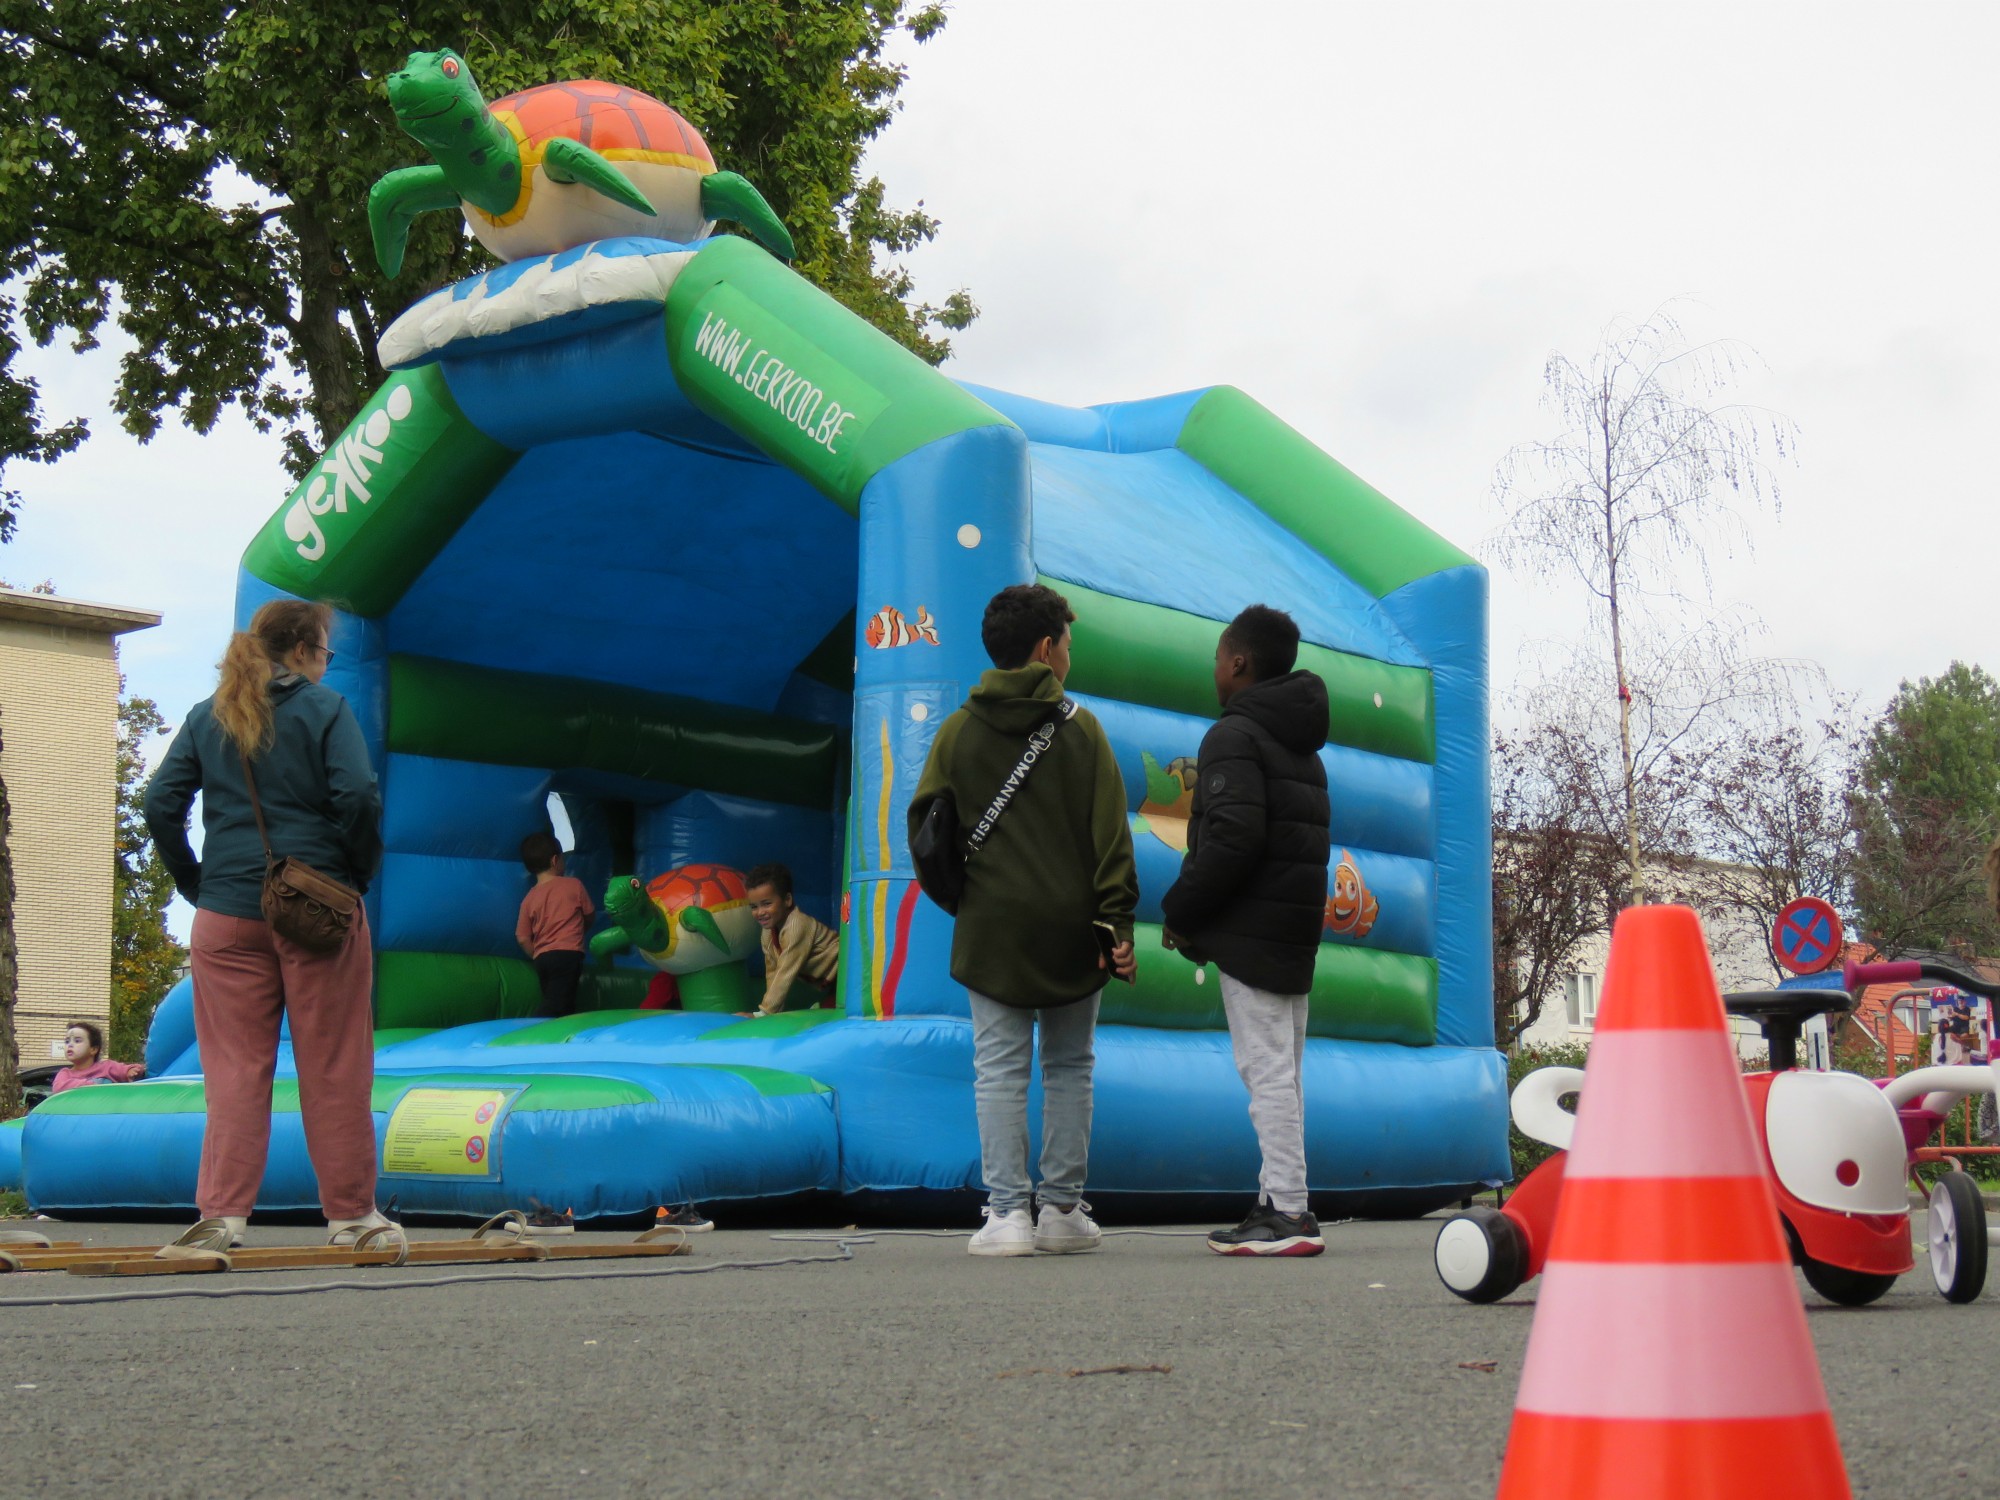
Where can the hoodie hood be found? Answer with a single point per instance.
(1018, 700)
(1292, 709)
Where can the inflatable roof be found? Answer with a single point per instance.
(664, 534)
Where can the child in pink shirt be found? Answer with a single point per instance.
(554, 915)
(83, 1046)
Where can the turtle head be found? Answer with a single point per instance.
(632, 909)
(436, 99)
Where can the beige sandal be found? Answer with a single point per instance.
(207, 1241)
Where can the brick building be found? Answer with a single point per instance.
(58, 754)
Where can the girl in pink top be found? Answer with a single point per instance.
(83, 1046)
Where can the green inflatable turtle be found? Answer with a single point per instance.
(554, 167)
(693, 922)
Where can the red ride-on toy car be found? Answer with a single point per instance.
(1835, 1151)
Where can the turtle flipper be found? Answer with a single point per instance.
(701, 924)
(566, 160)
(393, 205)
(611, 940)
(1162, 787)
(725, 195)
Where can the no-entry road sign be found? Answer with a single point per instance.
(1807, 936)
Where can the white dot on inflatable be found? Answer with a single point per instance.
(399, 402)
(1201, 974)
(920, 711)
(1378, 700)
(968, 535)
(377, 431)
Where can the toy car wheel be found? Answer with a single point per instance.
(1848, 1288)
(1955, 1225)
(1481, 1254)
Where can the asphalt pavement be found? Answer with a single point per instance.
(901, 1367)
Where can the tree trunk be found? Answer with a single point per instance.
(323, 344)
(1609, 492)
(10, 1051)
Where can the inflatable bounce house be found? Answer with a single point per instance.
(650, 531)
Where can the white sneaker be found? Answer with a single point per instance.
(1066, 1231)
(1011, 1233)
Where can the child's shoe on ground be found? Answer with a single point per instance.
(1268, 1232)
(687, 1217)
(1011, 1233)
(1066, 1231)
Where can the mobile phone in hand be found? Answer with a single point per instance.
(1107, 940)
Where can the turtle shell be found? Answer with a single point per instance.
(607, 117)
(711, 887)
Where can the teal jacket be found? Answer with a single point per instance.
(317, 787)
(1059, 859)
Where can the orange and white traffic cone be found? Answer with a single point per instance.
(1669, 1357)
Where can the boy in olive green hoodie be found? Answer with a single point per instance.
(1055, 870)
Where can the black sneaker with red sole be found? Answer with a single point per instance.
(1268, 1232)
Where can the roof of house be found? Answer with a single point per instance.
(74, 614)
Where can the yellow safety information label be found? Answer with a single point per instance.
(446, 1132)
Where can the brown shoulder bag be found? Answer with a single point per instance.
(313, 910)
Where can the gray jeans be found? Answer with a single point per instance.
(1003, 1046)
(1267, 1032)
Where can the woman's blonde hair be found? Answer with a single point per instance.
(243, 696)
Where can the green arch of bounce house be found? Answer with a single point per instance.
(757, 358)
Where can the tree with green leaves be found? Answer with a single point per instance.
(1926, 807)
(198, 173)
(145, 959)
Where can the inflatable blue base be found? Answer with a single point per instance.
(614, 1114)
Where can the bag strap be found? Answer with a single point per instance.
(256, 807)
(1038, 745)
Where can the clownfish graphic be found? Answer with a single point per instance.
(888, 628)
(1350, 910)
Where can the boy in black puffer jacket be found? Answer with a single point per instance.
(1251, 899)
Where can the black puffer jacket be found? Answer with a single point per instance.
(1251, 897)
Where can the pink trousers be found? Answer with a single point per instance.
(246, 979)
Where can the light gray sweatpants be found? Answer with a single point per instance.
(1267, 1032)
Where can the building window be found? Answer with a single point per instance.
(1580, 997)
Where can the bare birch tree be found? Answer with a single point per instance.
(1638, 485)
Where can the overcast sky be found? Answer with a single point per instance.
(1379, 221)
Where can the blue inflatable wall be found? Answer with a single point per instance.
(698, 576)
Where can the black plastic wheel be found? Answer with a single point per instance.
(1955, 1226)
(1848, 1288)
(1481, 1255)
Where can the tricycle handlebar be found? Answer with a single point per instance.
(1859, 976)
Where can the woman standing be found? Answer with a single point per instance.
(321, 807)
